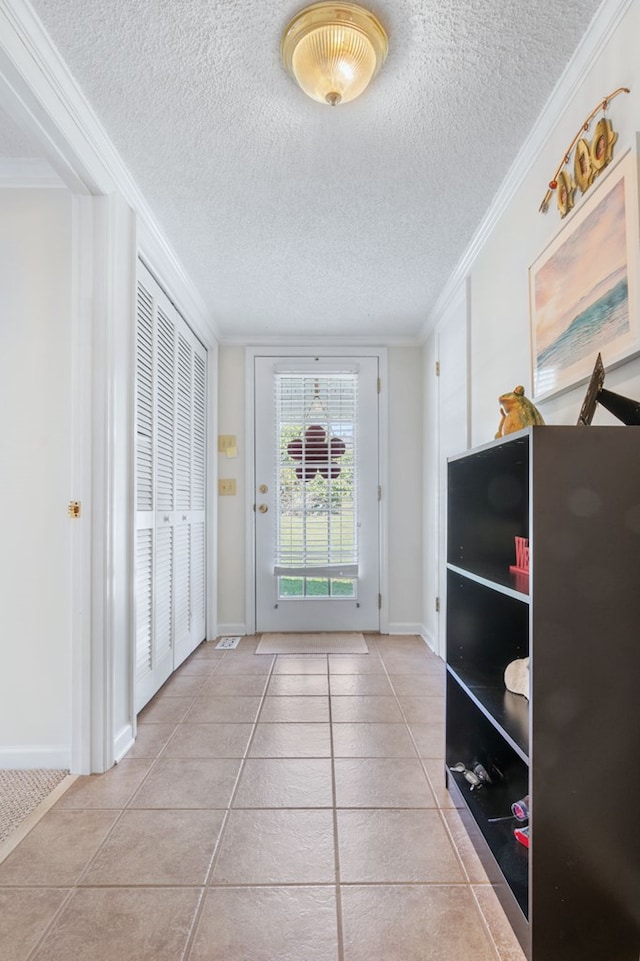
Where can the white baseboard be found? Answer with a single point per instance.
(430, 639)
(229, 630)
(56, 757)
(420, 631)
(123, 742)
(400, 628)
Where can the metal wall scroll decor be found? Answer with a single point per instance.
(589, 160)
(316, 454)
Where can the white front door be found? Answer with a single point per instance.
(316, 493)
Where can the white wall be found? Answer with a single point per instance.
(446, 424)
(430, 525)
(500, 354)
(404, 504)
(405, 493)
(35, 464)
(232, 510)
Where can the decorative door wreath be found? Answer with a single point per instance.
(316, 453)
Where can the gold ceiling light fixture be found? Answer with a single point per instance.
(333, 50)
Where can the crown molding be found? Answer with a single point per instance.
(157, 253)
(320, 342)
(45, 97)
(598, 33)
(49, 102)
(20, 172)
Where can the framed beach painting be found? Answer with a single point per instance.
(583, 288)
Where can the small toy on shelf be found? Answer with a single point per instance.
(517, 412)
(516, 676)
(476, 776)
(521, 809)
(521, 565)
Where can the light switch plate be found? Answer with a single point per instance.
(226, 443)
(227, 486)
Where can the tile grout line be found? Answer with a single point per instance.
(126, 806)
(196, 886)
(430, 785)
(119, 813)
(487, 927)
(413, 741)
(216, 848)
(186, 950)
(198, 904)
(439, 808)
(52, 922)
(336, 849)
(447, 828)
(73, 888)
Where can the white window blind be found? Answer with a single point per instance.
(316, 474)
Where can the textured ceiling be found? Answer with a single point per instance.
(293, 218)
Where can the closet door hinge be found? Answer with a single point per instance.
(379, 601)
(437, 368)
(379, 492)
(437, 605)
(379, 385)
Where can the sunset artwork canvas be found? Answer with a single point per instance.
(583, 288)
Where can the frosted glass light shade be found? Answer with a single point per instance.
(333, 50)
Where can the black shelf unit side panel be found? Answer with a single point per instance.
(488, 506)
(585, 710)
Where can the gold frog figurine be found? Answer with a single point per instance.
(517, 412)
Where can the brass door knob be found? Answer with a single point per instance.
(263, 508)
(263, 488)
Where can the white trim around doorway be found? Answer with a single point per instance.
(251, 353)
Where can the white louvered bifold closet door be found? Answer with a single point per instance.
(171, 367)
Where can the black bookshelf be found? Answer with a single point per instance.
(574, 746)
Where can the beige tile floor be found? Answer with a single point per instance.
(272, 809)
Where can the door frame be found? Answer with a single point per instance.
(453, 340)
(304, 350)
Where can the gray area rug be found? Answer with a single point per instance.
(20, 794)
